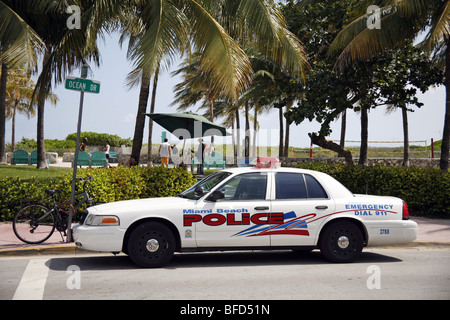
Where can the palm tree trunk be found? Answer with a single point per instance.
(280, 148)
(405, 137)
(150, 123)
(364, 136)
(13, 129)
(238, 134)
(343, 131)
(443, 164)
(42, 94)
(233, 137)
(140, 118)
(3, 82)
(255, 130)
(247, 131)
(286, 136)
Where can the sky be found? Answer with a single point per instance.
(114, 110)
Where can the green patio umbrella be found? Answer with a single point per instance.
(188, 125)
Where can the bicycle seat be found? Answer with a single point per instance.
(52, 192)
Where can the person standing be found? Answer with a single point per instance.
(165, 152)
(200, 156)
(107, 147)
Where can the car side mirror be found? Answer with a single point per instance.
(216, 195)
(199, 191)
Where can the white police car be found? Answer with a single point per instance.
(248, 208)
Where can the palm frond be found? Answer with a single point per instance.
(19, 43)
(270, 34)
(166, 33)
(440, 28)
(222, 58)
(370, 34)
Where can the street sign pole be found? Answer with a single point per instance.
(75, 159)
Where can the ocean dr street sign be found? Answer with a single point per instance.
(84, 85)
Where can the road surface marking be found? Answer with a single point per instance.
(32, 284)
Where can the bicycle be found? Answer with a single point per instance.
(34, 223)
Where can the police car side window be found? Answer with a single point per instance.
(315, 190)
(249, 186)
(290, 186)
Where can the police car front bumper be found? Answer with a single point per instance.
(98, 238)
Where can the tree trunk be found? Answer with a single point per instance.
(13, 128)
(140, 117)
(233, 137)
(343, 131)
(443, 164)
(238, 136)
(255, 130)
(280, 148)
(247, 132)
(364, 136)
(286, 135)
(3, 82)
(150, 122)
(405, 137)
(322, 142)
(41, 97)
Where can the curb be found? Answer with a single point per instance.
(73, 249)
(57, 249)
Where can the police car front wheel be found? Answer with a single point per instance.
(151, 245)
(341, 242)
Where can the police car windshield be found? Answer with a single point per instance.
(207, 183)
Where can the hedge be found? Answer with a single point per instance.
(425, 190)
(113, 184)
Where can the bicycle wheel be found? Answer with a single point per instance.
(34, 224)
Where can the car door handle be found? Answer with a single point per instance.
(261, 208)
(321, 207)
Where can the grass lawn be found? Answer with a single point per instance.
(31, 173)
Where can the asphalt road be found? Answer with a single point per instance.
(381, 273)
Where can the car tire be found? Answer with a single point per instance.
(341, 242)
(151, 245)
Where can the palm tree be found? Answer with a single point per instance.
(64, 49)
(389, 26)
(215, 29)
(19, 93)
(19, 44)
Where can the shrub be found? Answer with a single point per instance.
(425, 190)
(114, 184)
(98, 139)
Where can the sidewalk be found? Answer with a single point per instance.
(431, 232)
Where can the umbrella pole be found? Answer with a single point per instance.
(182, 155)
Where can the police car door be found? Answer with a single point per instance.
(236, 220)
(303, 202)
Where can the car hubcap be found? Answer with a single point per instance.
(343, 242)
(152, 245)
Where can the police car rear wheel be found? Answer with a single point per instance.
(341, 242)
(151, 245)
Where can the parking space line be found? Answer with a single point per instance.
(32, 284)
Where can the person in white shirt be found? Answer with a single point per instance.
(165, 152)
(106, 149)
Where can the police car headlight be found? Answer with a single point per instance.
(98, 220)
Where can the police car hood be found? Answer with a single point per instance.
(138, 205)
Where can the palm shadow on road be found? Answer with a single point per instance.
(212, 260)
